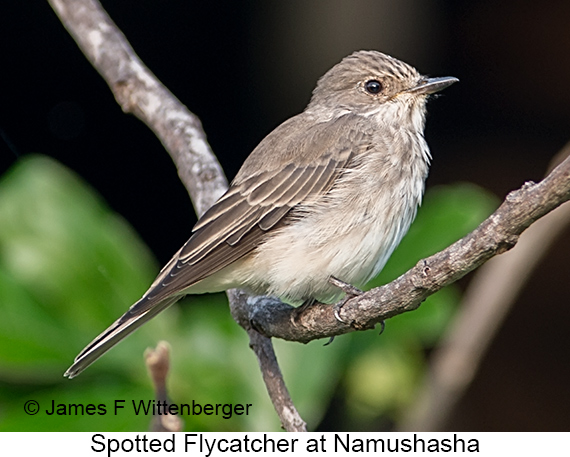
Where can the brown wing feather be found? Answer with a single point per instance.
(235, 233)
(238, 222)
(219, 244)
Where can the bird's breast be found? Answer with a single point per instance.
(349, 233)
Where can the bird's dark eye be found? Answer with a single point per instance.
(373, 86)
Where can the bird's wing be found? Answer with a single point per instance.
(229, 230)
(237, 223)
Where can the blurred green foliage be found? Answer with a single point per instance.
(69, 267)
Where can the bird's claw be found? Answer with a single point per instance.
(337, 307)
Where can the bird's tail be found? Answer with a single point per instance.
(137, 315)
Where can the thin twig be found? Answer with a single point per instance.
(263, 348)
(158, 363)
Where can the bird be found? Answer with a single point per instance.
(328, 194)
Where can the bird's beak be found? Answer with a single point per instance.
(428, 86)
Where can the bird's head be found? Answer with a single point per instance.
(370, 83)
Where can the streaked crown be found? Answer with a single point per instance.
(364, 78)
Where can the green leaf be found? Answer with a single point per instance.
(68, 268)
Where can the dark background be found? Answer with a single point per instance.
(245, 66)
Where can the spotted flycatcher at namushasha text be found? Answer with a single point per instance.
(329, 193)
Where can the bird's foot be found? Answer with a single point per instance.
(350, 292)
(347, 288)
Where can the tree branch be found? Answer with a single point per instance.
(486, 303)
(497, 234)
(139, 92)
(263, 348)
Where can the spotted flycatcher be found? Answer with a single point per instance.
(329, 193)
